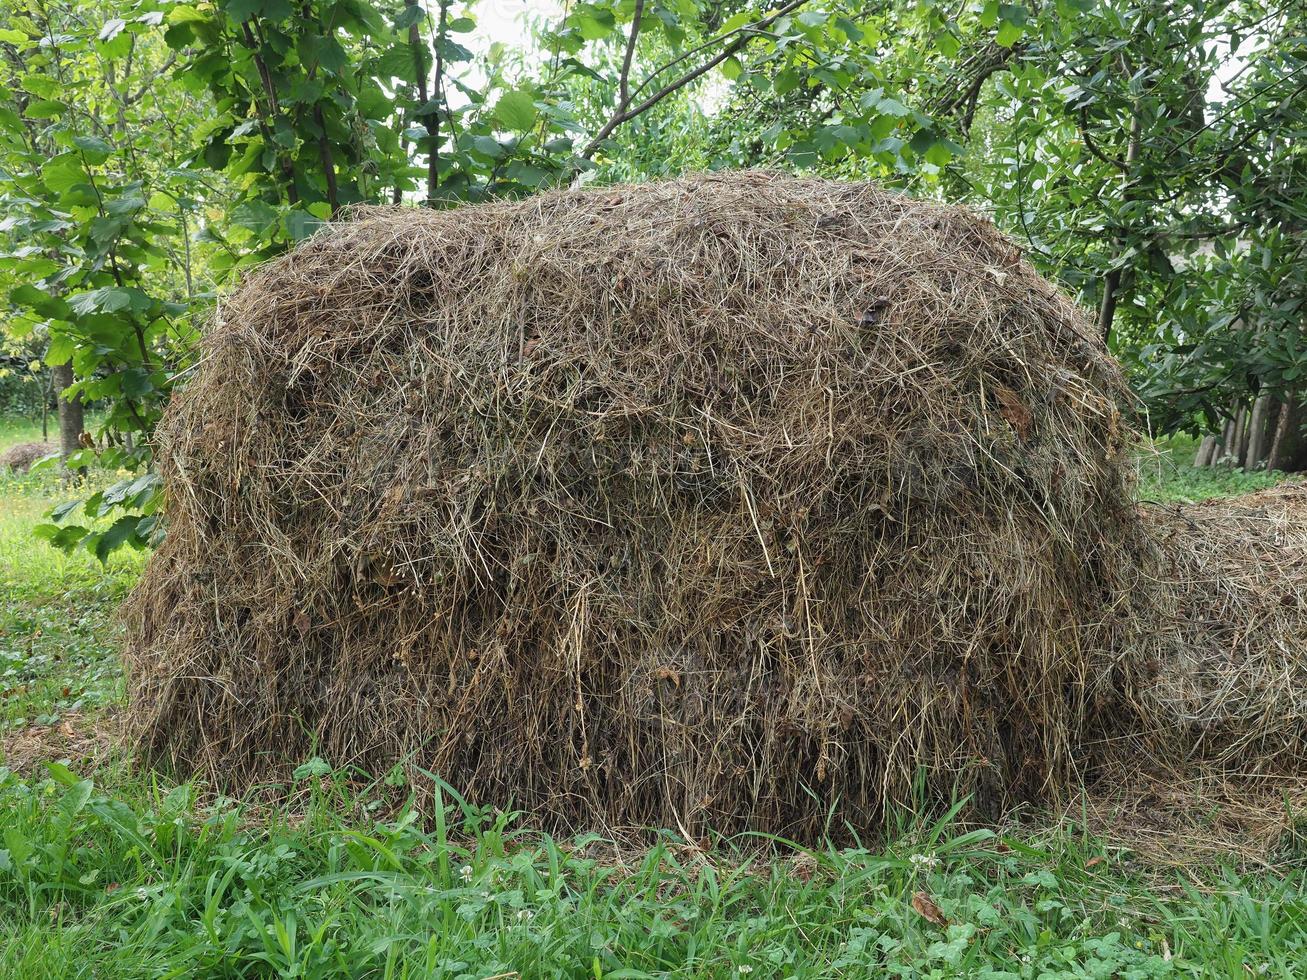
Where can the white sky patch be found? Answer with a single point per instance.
(508, 21)
(1232, 64)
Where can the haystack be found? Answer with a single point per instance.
(737, 501)
(1220, 678)
(21, 456)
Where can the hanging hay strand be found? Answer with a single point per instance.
(716, 502)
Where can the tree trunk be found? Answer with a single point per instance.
(1227, 440)
(1112, 282)
(1257, 431)
(72, 419)
(1107, 307)
(1240, 444)
(45, 406)
(1288, 414)
(1206, 451)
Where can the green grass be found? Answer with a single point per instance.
(17, 428)
(57, 641)
(113, 873)
(1167, 475)
(143, 882)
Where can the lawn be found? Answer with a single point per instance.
(110, 872)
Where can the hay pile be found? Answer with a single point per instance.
(21, 456)
(714, 502)
(1222, 678)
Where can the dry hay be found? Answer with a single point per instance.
(20, 457)
(1224, 662)
(89, 741)
(714, 502)
(1207, 760)
(1196, 816)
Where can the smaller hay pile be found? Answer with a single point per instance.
(20, 457)
(1224, 664)
(721, 502)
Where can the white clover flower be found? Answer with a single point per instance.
(525, 915)
(465, 872)
(925, 860)
(745, 968)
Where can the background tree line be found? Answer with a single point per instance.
(1148, 154)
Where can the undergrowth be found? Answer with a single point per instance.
(142, 880)
(107, 872)
(1167, 475)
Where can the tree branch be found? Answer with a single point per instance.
(273, 110)
(1093, 147)
(623, 86)
(624, 114)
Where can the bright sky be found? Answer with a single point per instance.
(506, 20)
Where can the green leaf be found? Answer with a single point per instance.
(1014, 13)
(300, 225)
(112, 28)
(63, 538)
(408, 17)
(488, 146)
(95, 149)
(526, 174)
(76, 797)
(106, 299)
(62, 774)
(45, 109)
(61, 350)
(1008, 34)
(594, 23)
(136, 382)
(122, 531)
(38, 300)
(63, 510)
(516, 110)
(314, 767)
(242, 10)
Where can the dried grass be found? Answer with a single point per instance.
(89, 741)
(21, 456)
(1222, 663)
(714, 502)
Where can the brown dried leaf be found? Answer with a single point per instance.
(803, 866)
(927, 909)
(668, 674)
(871, 315)
(383, 573)
(302, 622)
(1093, 861)
(1013, 409)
